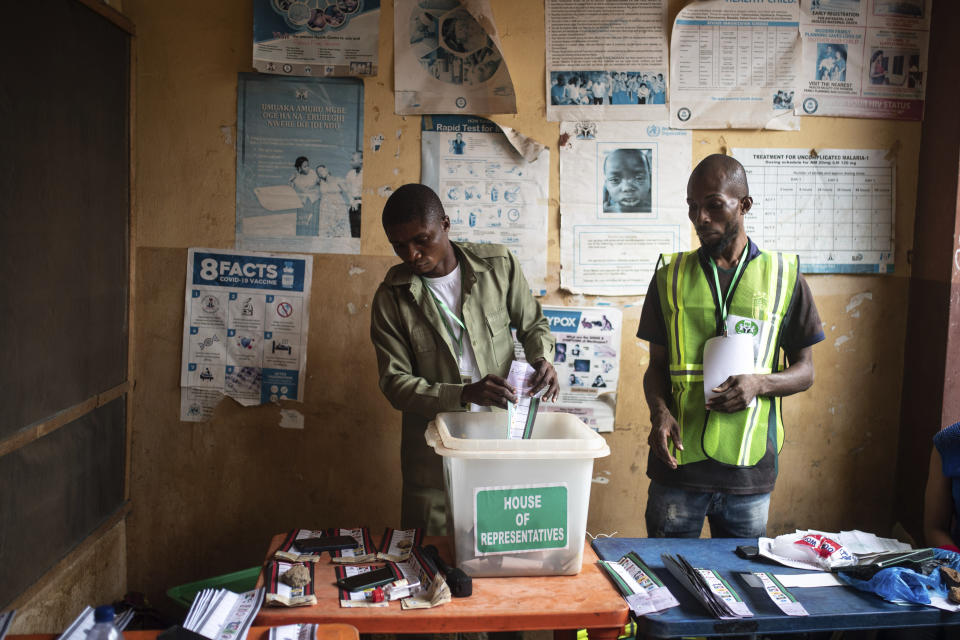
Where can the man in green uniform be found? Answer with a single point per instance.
(717, 458)
(440, 324)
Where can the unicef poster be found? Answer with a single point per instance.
(316, 37)
(245, 327)
(623, 193)
(447, 59)
(299, 164)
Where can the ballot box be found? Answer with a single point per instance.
(516, 507)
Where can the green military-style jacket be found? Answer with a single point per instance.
(419, 371)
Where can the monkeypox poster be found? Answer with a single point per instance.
(245, 327)
(587, 361)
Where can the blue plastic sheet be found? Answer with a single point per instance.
(899, 584)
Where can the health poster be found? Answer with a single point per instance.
(319, 38)
(448, 59)
(864, 58)
(735, 65)
(489, 190)
(623, 192)
(299, 164)
(587, 361)
(605, 68)
(834, 209)
(245, 327)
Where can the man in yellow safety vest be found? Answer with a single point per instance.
(713, 452)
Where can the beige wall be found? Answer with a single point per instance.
(241, 478)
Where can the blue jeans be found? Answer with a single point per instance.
(679, 513)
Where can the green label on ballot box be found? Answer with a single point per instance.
(520, 518)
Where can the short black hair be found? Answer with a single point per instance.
(412, 202)
(731, 168)
(631, 153)
(299, 161)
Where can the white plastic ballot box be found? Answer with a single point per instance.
(516, 507)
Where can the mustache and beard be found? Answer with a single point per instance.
(715, 245)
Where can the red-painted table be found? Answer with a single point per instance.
(324, 632)
(559, 603)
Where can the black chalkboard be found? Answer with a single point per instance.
(64, 273)
(55, 491)
(64, 194)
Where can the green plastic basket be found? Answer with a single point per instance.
(238, 581)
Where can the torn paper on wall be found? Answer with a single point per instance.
(299, 163)
(834, 210)
(488, 188)
(864, 58)
(245, 327)
(299, 38)
(587, 361)
(622, 203)
(606, 60)
(447, 59)
(735, 65)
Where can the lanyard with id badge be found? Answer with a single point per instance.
(447, 314)
(730, 353)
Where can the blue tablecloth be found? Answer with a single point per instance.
(830, 608)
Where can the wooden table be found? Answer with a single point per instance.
(561, 603)
(324, 632)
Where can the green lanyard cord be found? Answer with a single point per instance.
(722, 303)
(445, 313)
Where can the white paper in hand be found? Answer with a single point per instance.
(726, 356)
(520, 376)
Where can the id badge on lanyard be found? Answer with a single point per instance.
(733, 352)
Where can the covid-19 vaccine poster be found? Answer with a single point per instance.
(245, 323)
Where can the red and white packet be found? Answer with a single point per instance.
(812, 550)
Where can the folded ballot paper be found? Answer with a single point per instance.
(364, 552)
(398, 543)
(433, 590)
(288, 548)
(708, 587)
(365, 597)
(522, 415)
(418, 585)
(77, 630)
(279, 593)
(639, 585)
(220, 614)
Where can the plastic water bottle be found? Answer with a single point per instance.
(103, 627)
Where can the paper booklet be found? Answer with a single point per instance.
(220, 614)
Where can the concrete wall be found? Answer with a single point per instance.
(242, 478)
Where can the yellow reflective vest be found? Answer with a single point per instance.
(758, 306)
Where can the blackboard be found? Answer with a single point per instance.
(64, 274)
(64, 105)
